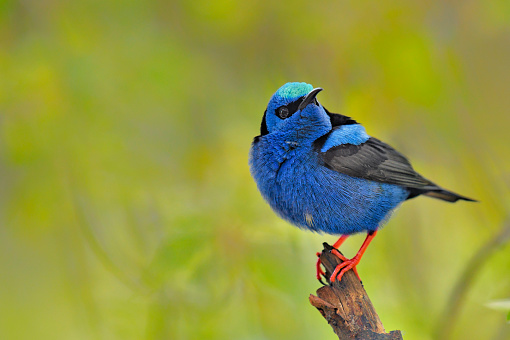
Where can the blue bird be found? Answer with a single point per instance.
(321, 171)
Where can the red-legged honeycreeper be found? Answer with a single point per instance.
(322, 172)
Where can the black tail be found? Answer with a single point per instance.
(446, 195)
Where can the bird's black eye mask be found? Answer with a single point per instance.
(283, 112)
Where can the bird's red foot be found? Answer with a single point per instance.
(320, 272)
(348, 264)
(337, 244)
(344, 267)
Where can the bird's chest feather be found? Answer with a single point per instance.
(296, 184)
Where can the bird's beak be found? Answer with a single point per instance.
(310, 97)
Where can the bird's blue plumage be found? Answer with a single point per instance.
(322, 172)
(353, 134)
(288, 164)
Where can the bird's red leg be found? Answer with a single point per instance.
(340, 241)
(343, 267)
(337, 244)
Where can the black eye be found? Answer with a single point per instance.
(283, 112)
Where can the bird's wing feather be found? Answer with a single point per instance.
(373, 160)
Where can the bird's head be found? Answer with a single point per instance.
(294, 106)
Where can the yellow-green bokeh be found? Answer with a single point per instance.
(127, 208)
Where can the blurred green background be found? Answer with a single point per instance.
(127, 207)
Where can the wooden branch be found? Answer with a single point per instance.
(346, 307)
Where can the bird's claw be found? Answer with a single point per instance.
(344, 267)
(320, 272)
(341, 269)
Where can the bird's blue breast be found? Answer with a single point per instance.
(302, 190)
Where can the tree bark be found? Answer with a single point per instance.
(346, 306)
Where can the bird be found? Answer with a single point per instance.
(322, 172)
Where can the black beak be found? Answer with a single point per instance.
(310, 97)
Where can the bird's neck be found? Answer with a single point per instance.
(305, 131)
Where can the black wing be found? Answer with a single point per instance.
(377, 161)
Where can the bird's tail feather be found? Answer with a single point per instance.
(448, 196)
